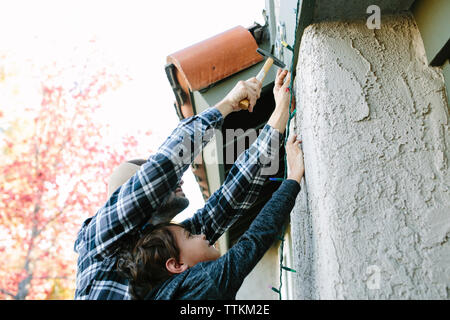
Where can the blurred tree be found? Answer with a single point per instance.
(53, 170)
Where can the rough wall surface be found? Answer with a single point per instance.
(373, 221)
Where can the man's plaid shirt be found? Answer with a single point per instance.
(134, 203)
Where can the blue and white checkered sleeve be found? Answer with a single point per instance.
(241, 187)
(135, 201)
(192, 134)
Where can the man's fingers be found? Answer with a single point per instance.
(253, 81)
(287, 81)
(252, 100)
(253, 88)
(280, 77)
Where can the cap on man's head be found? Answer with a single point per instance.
(122, 173)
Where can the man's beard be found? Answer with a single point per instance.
(169, 208)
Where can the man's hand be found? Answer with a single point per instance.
(281, 91)
(250, 89)
(282, 96)
(294, 156)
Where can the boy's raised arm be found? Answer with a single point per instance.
(230, 270)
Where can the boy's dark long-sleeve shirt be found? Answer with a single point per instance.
(136, 201)
(222, 278)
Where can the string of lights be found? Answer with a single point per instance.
(291, 115)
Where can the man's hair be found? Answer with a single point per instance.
(138, 162)
(145, 265)
(122, 173)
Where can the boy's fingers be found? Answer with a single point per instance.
(254, 85)
(292, 138)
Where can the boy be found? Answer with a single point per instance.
(169, 262)
(151, 191)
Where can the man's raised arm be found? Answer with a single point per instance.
(135, 201)
(246, 178)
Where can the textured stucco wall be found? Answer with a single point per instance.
(373, 219)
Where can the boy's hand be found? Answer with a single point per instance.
(250, 89)
(294, 155)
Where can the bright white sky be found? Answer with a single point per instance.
(137, 35)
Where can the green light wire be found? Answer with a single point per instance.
(291, 115)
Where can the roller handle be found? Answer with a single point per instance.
(244, 104)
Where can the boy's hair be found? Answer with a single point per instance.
(145, 264)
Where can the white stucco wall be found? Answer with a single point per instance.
(256, 285)
(373, 219)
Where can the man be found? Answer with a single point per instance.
(151, 192)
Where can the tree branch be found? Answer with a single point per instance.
(55, 278)
(7, 293)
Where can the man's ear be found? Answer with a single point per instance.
(173, 266)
